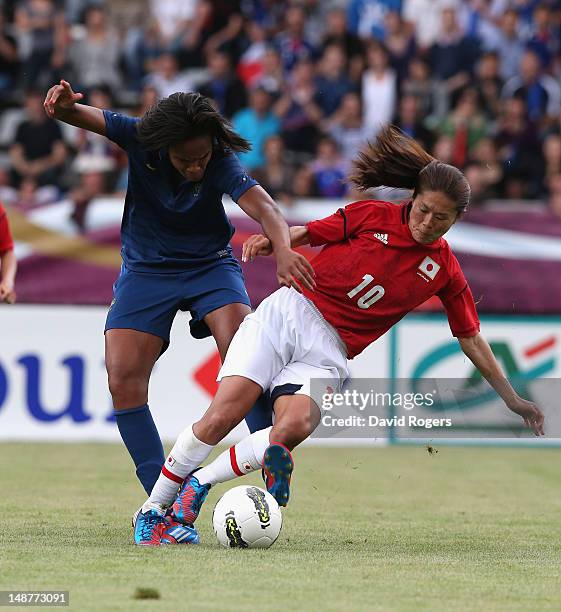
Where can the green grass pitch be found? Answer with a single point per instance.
(367, 529)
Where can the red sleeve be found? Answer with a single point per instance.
(344, 223)
(459, 304)
(6, 241)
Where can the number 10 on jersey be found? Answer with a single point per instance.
(371, 296)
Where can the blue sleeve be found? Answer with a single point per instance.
(231, 177)
(120, 129)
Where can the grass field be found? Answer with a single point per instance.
(367, 529)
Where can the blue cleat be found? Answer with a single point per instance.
(148, 527)
(278, 465)
(153, 529)
(189, 500)
(177, 533)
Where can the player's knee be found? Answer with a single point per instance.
(127, 388)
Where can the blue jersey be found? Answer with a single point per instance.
(167, 230)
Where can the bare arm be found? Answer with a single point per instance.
(8, 268)
(480, 354)
(61, 103)
(291, 266)
(259, 245)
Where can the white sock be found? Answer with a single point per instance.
(243, 458)
(187, 454)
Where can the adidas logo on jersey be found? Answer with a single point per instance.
(382, 237)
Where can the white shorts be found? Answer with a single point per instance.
(285, 344)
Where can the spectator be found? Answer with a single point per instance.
(544, 40)
(345, 126)
(8, 263)
(540, 91)
(367, 17)
(409, 120)
(95, 57)
(444, 149)
(143, 46)
(250, 66)
(256, 123)
(379, 88)
(272, 76)
(38, 151)
(465, 125)
(166, 78)
(303, 183)
(425, 19)
(42, 33)
(224, 26)
(509, 46)
(419, 83)
(277, 173)
(332, 83)
(291, 42)
(172, 17)
(489, 85)
(453, 54)
(479, 23)
(148, 97)
(223, 86)
(400, 44)
(8, 59)
(328, 170)
(338, 33)
(298, 112)
(191, 35)
(520, 151)
(488, 168)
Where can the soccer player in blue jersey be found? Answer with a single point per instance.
(175, 245)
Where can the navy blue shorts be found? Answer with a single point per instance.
(149, 302)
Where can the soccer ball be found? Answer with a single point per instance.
(247, 517)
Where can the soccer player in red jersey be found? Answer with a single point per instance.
(8, 264)
(379, 262)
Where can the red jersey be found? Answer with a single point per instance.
(6, 242)
(372, 272)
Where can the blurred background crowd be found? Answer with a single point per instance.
(477, 82)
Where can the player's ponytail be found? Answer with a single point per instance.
(396, 160)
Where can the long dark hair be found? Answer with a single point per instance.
(184, 116)
(396, 160)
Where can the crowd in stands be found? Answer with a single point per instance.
(477, 82)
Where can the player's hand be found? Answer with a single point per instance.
(256, 245)
(7, 293)
(532, 415)
(294, 270)
(60, 97)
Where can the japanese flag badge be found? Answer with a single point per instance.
(428, 269)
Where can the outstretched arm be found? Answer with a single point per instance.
(259, 245)
(61, 102)
(292, 268)
(477, 349)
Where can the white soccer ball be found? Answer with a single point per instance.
(247, 517)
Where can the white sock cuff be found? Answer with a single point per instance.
(259, 443)
(188, 449)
